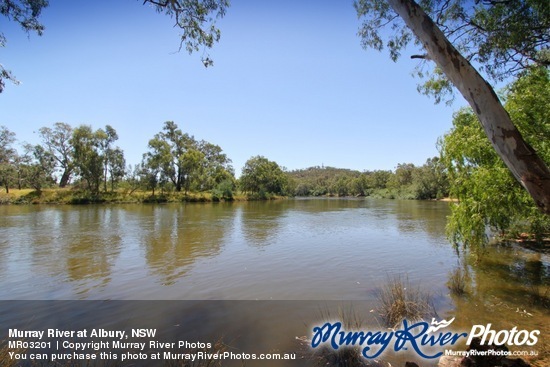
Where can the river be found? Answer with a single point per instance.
(302, 254)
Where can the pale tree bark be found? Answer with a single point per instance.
(522, 160)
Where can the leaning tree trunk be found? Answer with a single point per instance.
(65, 177)
(522, 160)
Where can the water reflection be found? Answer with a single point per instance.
(176, 236)
(260, 227)
(287, 249)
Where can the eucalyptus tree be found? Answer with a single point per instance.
(113, 158)
(503, 37)
(88, 159)
(8, 156)
(57, 142)
(167, 152)
(197, 20)
(488, 194)
(262, 176)
(38, 167)
(215, 167)
(186, 162)
(116, 168)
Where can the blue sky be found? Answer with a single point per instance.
(290, 82)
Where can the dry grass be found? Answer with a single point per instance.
(399, 300)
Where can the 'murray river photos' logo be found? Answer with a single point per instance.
(421, 337)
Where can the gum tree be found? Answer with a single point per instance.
(57, 142)
(7, 157)
(503, 36)
(489, 196)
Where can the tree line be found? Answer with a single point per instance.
(91, 161)
(175, 161)
(468, 169)
(407, 181)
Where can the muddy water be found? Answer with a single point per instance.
(304, 253)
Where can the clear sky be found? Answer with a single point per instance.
(290, 82)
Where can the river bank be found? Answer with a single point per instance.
(77, 197)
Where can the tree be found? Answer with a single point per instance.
(262, 176)
(430, 181)
(472, 31)
(216, 166)
(57, 141)
(488, 194)
(197, 20)
(167, 153)
(38, 167)
(111, 156)
(116, 166)
(88, 159)
(192, 166)
(26, 13)
(187, 163)
(7, 157)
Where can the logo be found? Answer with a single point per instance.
(421, 337)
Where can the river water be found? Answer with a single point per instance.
(313, 252)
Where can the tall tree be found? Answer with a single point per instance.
(106, 138)
(7, 157)
(87, 157)
(216, 166)
(167, 152)
(57, 141)
(482, 31)
(488, 194)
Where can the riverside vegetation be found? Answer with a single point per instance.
(79, 165)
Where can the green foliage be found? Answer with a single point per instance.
(489, 197)
(197, 20)
(501, 37)
(57, 143)
(26, 13)
(95, 159)
(431, 181)
(407, 182)
(38, 167)
(263, 177)
(224, 191)
(8, 156)
(88, 159)
(188, 164)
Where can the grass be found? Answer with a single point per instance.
(75, 197)
(457, 282)
(399, 300)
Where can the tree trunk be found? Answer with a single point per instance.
(520, 158)
(65, 178)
